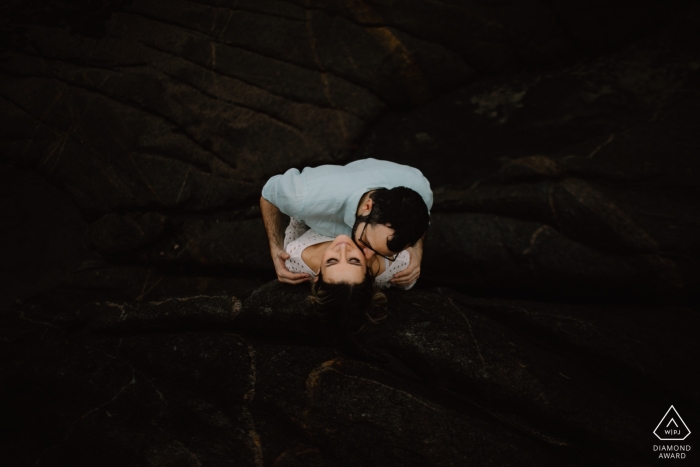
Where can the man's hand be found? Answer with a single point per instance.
(272, 218)
(412, 272)
(283, 274)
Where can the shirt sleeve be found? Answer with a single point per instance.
(421, 185)
(286, 191)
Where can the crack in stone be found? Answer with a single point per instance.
(624, 226)
(244, 49)
(533, 238)
(85, 415)
(187, 174)
(312, 382)
(73, 127)
(22, 317)
(484, 20)
(143, 289)
(413, 78)
(601, 146)
(296, 454)
(228, 21)
(562, 317)
(134, 105)
(550, 197)
(369, 24)
(145, 178)
(252, 85)
(275, 119)
(476, 343)
(248, 398)
(125, 102)
(185, 299)
(324, 78)
(236, 8)
(182, 445)
(252, 377)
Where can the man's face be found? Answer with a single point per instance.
(374, 236)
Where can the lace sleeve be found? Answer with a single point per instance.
(294, 230)
(401, 263)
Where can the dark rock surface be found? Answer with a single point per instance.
(447, 377)
(556, 318)
(579, 180)
(163, 124)
(41, 235)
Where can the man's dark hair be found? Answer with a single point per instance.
(401, 209)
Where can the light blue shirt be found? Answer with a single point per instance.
(326, 198)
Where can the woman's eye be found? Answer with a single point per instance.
(354, 260)
(331, 261)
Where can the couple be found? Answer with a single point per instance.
(353, 229)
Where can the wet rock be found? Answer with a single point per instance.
(129, 105)
(219, 397)
(115, 234)
(574, 183)
(90, 395)
(484, 372)
(627, 200)
(279, 310)
(41, 235)
(502, 369)
(476, 348)
(630, 341)
(136, 284)
(211, 242)
(171, 314)
(496, 254)
(567, 111)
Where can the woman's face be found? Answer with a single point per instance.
(343, 262)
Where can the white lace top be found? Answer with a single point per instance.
(298, 237)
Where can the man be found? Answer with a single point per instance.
(384, 207)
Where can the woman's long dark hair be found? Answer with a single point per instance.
(348, 307)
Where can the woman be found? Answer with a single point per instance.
(337, 260)
(344, 284)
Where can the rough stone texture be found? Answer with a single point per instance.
(113, 234)
(631, 341)
(446, 377)
(560, 141)
(578, 181)
(138, 105)
(40, 238)
(584, 172)
(567, 111)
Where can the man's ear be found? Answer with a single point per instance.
(366, 207)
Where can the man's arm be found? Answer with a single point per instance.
(412, 272)
(273, 220)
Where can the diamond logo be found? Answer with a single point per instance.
(672, 427)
